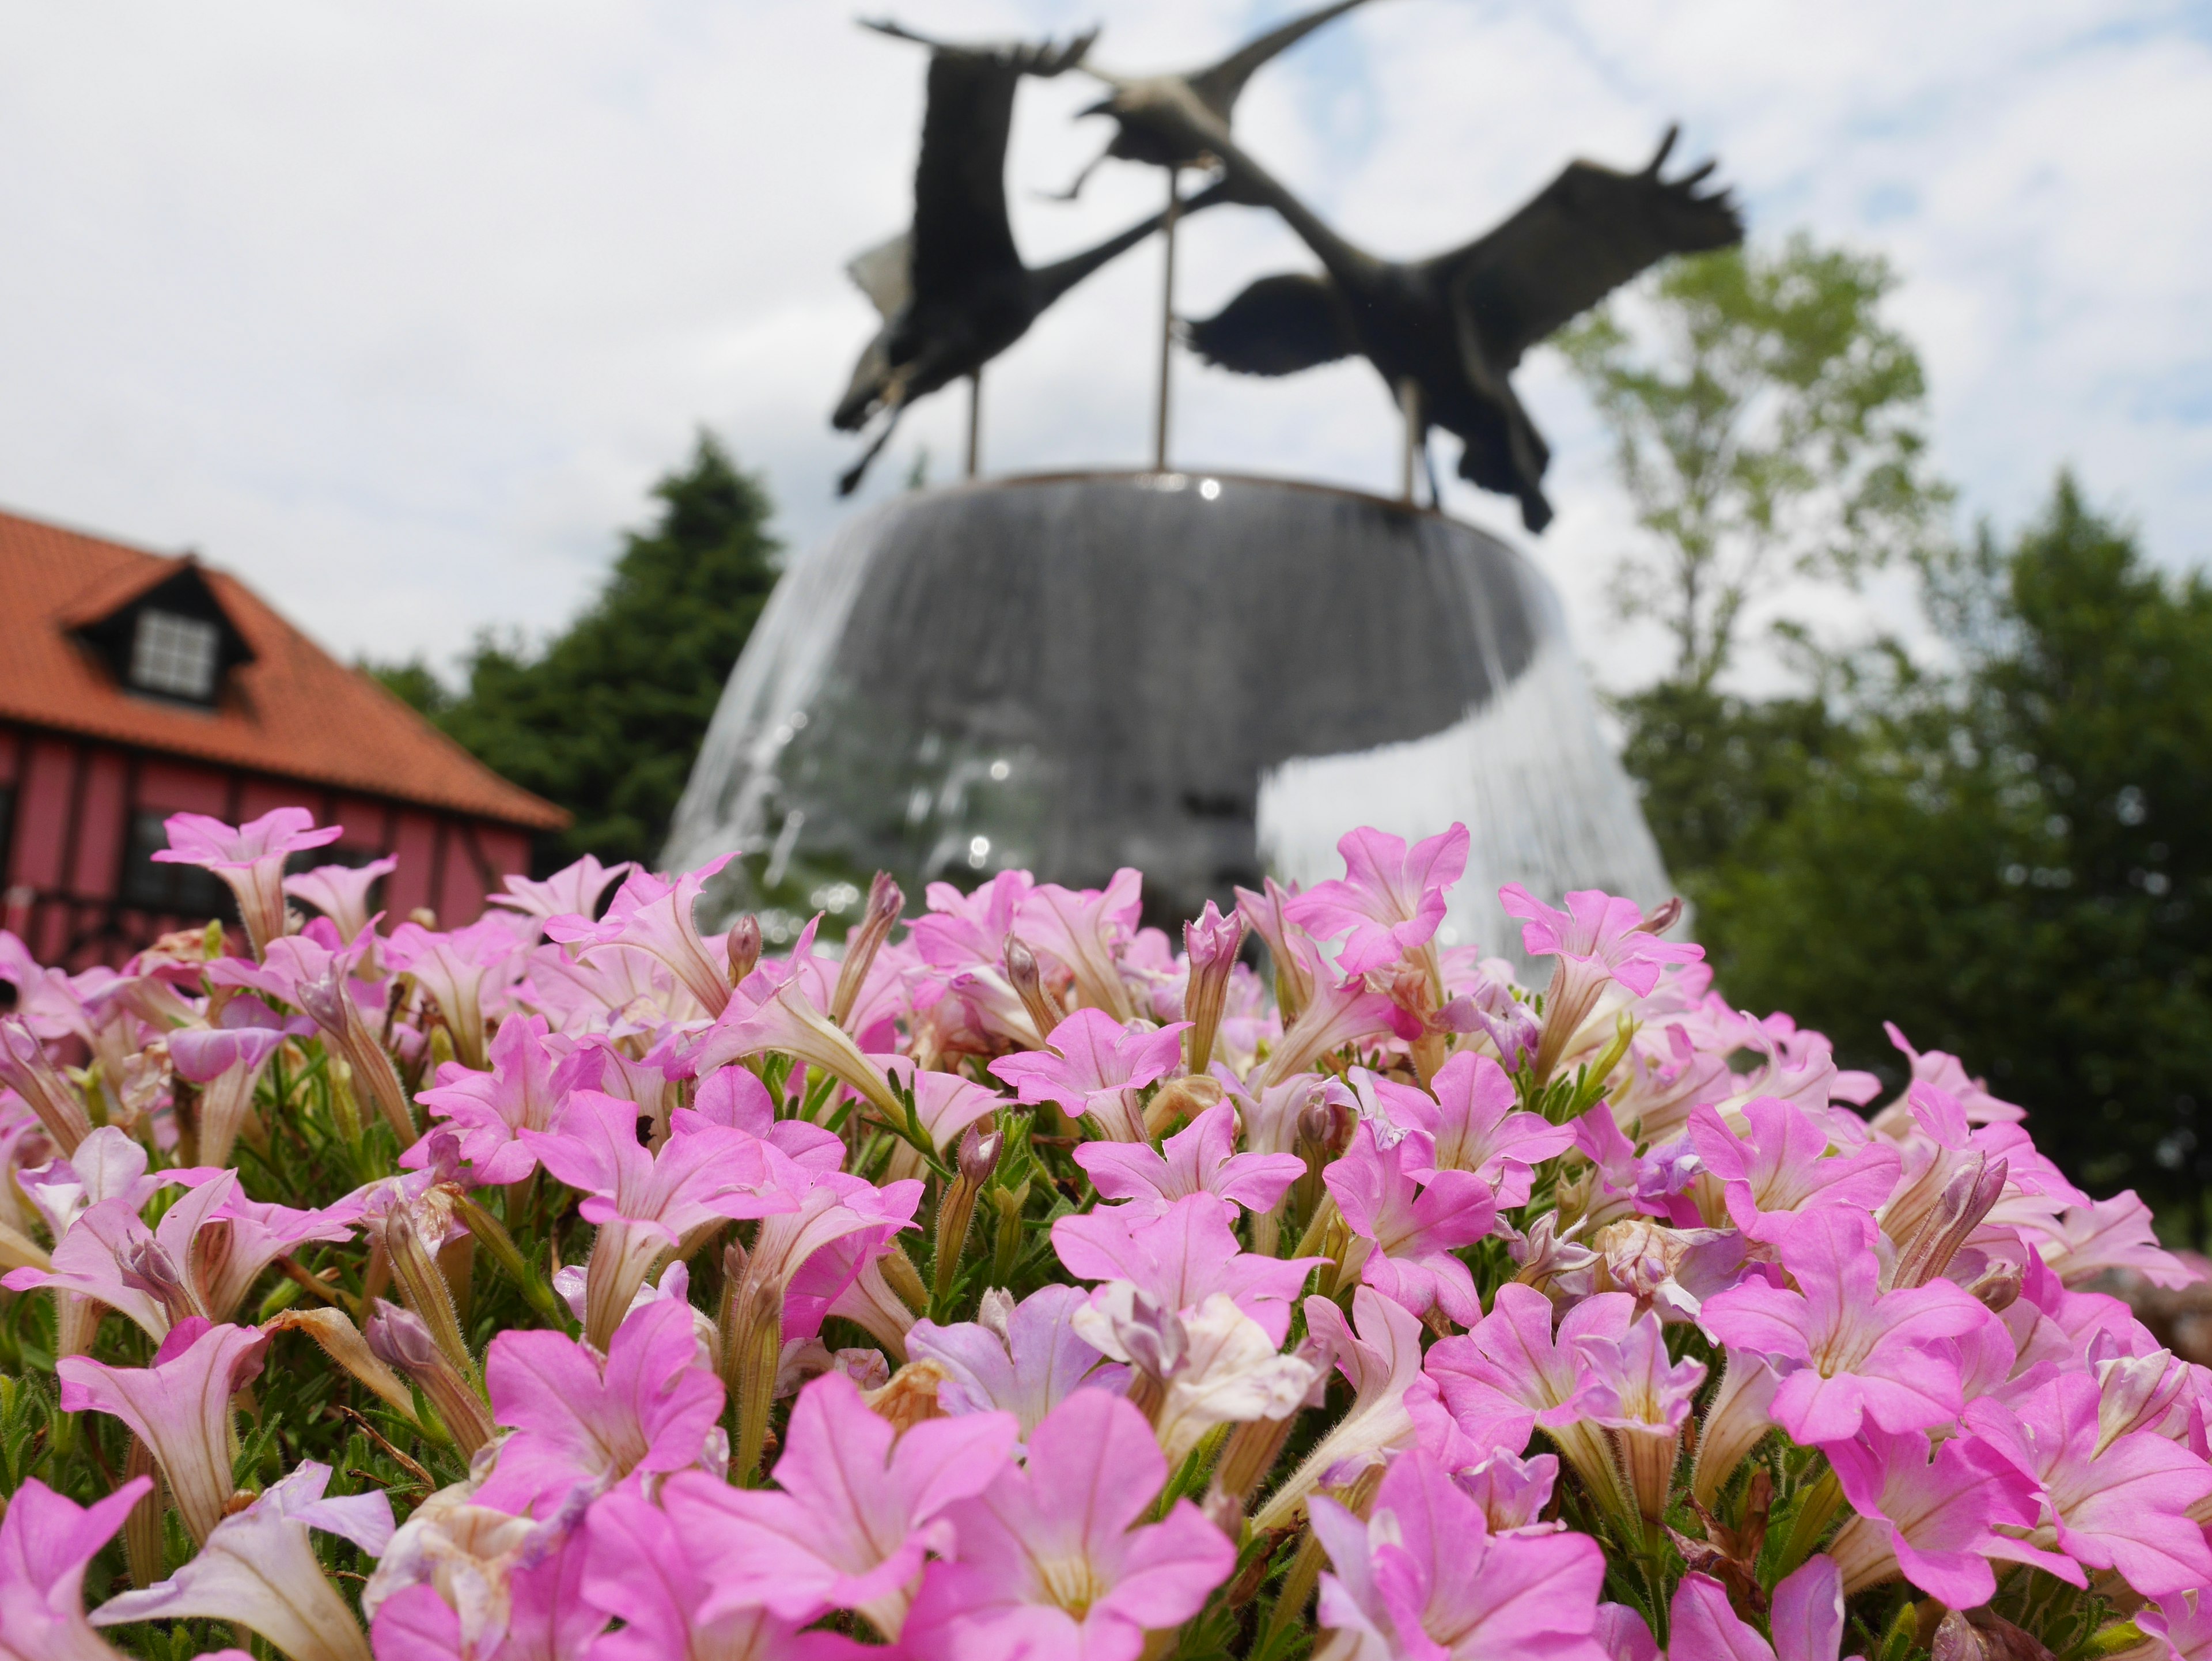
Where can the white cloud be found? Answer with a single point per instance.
(398, 310)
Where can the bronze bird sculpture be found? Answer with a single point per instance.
(1446, 333)
(953, 291)
(1215, 89)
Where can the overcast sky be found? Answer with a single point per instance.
(397, 310)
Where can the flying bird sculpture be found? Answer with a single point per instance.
(1446, 333)
(1215, 89)
(952, 290)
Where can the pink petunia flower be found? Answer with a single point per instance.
(1382, 1360)
(586, 1424)
(1779, 1169)
(1412, 1229)
(1477, 1126)
(642, 1569)
(644, 1202)
(340, 893)
(258, 1569)
(1598, 937)
(1934, 1523)
(2184, 1623)
(964, 931)
(1023, 1358)
(1200, 1159)
(1849, 1351)
(1094, 1068)
(2085, 1241)
(1052, 1558)
(1085, 932)
(46, 1544)
(2121, 1503)
(1423, 1579)
(1181, 1257)
(491, 1108)
(250, 858)
(180, 1407)
(226, 1062)
(465, 1582)
(654, 914)
(1512, 1491)
(457, 969)
(1807, 1621)
(572, 892)
(1389, 900)
(856, 1508)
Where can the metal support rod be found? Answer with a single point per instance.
(974, 420)
(1409, 401)
(1167, 319)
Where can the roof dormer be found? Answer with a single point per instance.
(171, 640)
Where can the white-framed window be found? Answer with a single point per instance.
(175, 655)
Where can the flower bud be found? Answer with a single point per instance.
(1180, 1100)
(147, 1268)
(403, 1341)
(1662, 918)
(979, 1153)
(398, 1337)
(1211, 944)
(885, 903)
(1022, 975)
(2137, 1393)
(1966, 1199)
(24, 1069)
(744, 945)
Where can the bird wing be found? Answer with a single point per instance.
(1581, 237)
(961, 231)
(1218, 88)
(884, 273)
(1277, 327)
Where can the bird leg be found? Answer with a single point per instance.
(974, 420)
(849, 481)
(1167, 318)
(1416, 437)
(1429, 466)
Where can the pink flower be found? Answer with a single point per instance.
(853, 1513)
(228, 1062)
(1848, 1349)
(947, 1103)
(1934, 1524)
(1299, 962)
(1598, 937)
(1339, 1015)
(2184, 1622)
(463, 1582)
(1181, 1257)
(1200, 1159)
(2122, 1504)
(1779, 1169)
(180, 1407)
(1085, 932)
(1413, 1229)
(47, 1543)
(962, 931)
(2115, 1233)
(258, 1569)
(111, 1257)
(654, 914)
(340, 893)
(582, 1423)
(642, 1569)
(1052, 1559)
(453, 969)
(1023, 1359)
(1807, 1619)
(250, 858)
(1512, 1491)
(1095, 1067)
(1632, 1384)
(1476, 1126)
(1509, 1374)
(1389, 900)
(788, 1022)
(1947, 1072)
(1423, 1579)
(573, 892)
(1382, 1362)
(644, 1204)
(490, 1110)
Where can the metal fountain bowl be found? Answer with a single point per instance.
(1208, 676)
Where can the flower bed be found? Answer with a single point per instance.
(573, 1285)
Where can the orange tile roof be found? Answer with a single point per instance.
(295, 711)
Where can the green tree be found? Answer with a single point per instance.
(2015, 862)
(1768, 426)
(606, 719)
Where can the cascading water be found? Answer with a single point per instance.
(1207, 677)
